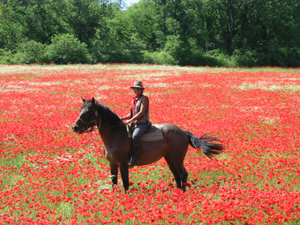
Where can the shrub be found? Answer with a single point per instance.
(210, 58)
(159, 58)
(30, 52)
(244, 58)
(5, 57)
(65, 48)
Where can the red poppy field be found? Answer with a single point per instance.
(51, 175)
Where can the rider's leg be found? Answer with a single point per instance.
(136, 143)
(139, 130)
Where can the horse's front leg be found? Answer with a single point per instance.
(125, 176)
(114, 174)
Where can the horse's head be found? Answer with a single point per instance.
(88, 118)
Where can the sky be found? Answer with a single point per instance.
(129, 2)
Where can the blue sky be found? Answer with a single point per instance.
(129, 2)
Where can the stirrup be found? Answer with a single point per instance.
(130, 161)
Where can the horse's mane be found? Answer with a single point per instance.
(107, 114)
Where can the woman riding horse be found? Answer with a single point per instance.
(139, 117)
(117, 146)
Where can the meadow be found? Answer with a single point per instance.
(51, 175)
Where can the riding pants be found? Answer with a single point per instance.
(139, 130)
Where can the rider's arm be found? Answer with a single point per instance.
(126, 117)
(142, 111)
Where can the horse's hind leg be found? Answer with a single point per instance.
(174, 170)
(178, 171)
(184, 176)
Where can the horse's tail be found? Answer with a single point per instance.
(206, 143)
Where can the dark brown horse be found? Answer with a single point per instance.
(173, 147)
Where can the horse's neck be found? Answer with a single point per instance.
(113, 138)
(111, 127)
(108, 118)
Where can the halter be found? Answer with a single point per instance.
(84, 122)
(93, 121)
(93, 129)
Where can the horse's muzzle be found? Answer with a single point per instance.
(76, 129)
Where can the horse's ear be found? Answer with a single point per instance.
(93, 102)
(83, 99)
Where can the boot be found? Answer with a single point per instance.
(134, 160)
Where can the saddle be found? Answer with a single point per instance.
(153, 133)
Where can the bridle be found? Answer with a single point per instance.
(92, 127)
(95, 121)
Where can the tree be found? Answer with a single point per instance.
(185, 32)
(11, 25)
(79, 17)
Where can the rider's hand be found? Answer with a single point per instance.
(128, 122)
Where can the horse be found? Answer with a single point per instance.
(118, 146)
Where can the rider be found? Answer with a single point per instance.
(139, 116)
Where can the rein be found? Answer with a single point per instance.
(93, 129)
(84, 122)
(95, 121)
(99, 126)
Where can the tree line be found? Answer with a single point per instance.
(179, 32)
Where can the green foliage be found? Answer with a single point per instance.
(186, 32)
(65, 48)
(30, 52)
(172, 45)
(5, 57)
(212, 58)
(162, 57)
(244, 58)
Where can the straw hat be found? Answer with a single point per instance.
(138, 84)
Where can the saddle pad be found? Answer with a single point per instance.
(154, 134)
